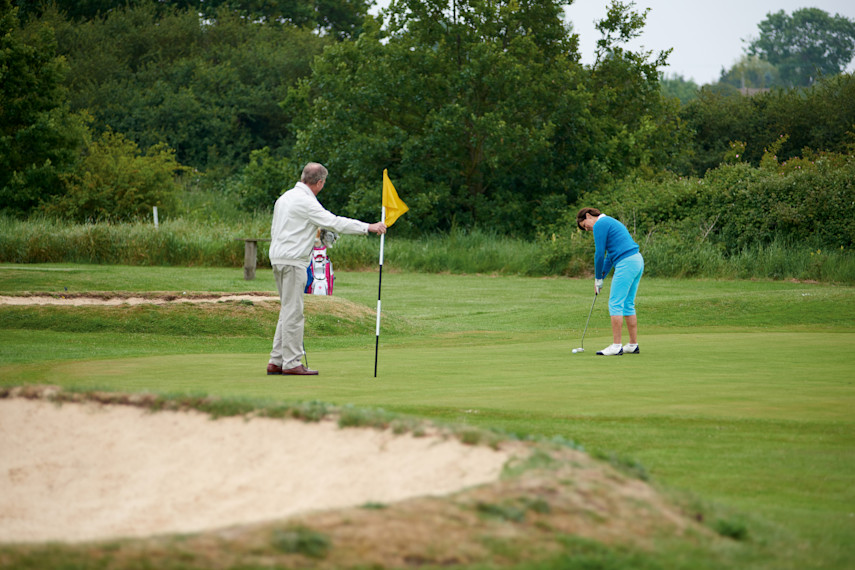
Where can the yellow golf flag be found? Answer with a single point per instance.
(395, 207)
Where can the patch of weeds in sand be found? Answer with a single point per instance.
(301, 540)
(351, 416)
(402, 425)
(312, 411)
(537, 459)
(223, 408)
(471, 436)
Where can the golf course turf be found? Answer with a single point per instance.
(741, 400)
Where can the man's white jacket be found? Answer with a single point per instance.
(297, 216)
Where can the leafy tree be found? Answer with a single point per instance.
(210, 91)
(481, 112)
(638, 126)
(339, 18)
(805, 45)
(821, 118)
(342, 18)
(116, 182)
(74, 9)
(442, 105)
(678, 87)
(263, 180)
(751, 72)
(39, 136)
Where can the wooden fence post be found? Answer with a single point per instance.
(250, 256)
(250, 259)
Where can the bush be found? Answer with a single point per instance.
(114, 182)
(819, 117)
(807, 201)
(263, 180)
(569, 253)
(811, 203)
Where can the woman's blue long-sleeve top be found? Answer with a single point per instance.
(612, 243)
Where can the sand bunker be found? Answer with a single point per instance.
(116, 299)
(85, 471)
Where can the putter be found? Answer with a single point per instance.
(305, 355)
(581, 348)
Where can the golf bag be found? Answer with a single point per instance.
(321, 277)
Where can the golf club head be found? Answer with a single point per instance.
(577, 350)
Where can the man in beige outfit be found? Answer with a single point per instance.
(297, 216)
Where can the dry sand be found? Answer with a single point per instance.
(115, 299)
(85, 471)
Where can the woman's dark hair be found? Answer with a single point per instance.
(583, 213)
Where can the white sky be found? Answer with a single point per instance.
(706, 34)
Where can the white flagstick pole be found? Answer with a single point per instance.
(379, 288)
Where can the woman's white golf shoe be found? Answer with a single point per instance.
(631, 349)
(611, 350)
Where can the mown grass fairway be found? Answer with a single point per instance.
(743, 395)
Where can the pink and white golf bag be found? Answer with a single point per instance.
(321, 276)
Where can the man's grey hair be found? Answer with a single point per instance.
(313, 173)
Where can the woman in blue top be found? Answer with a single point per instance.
(615, 248)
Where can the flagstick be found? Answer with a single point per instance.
(379, 288)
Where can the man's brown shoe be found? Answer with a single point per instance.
(273, 369)
(300, 371)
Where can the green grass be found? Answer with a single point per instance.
(63, 278)
(741, 399)
(216, 241)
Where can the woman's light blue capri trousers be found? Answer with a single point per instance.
(625, 285)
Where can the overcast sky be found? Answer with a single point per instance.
(706, 35)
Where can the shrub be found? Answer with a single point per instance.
(263, 180)
(569, 253)
(809, 201)
(114, 182)
(812, 205)
(819, 117)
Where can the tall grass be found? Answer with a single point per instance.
(458, 252)
(174, 243)
(666, 257)
(196, 242)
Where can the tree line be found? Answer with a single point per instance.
(481, 111)
(791, 50)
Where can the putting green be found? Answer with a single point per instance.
(758, 375)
